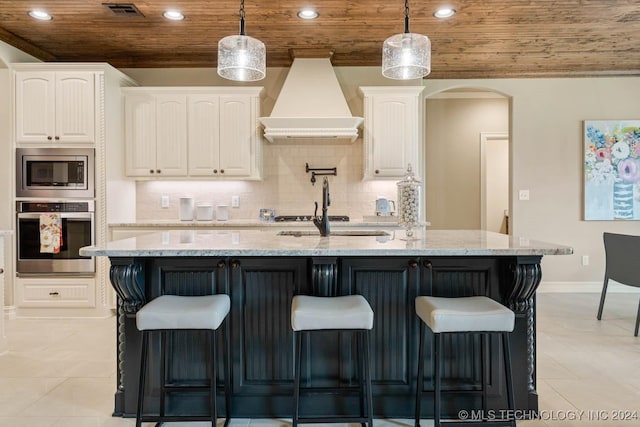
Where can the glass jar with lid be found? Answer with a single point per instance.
(409, 202)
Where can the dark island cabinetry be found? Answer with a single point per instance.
(261, 339)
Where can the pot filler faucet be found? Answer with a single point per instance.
(322, 223)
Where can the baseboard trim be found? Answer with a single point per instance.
(585, 287)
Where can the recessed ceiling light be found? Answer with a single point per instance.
(308, 13)
(445, 12)
(174, 15)
(40, 14)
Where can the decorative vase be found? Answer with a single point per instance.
(622, 199)
(409, 202)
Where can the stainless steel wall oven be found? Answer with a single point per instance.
(76, 221)
(55, 172)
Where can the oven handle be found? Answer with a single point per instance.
(65, 215)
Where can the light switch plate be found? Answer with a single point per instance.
(523, 195)
(164, 201)
(235, 201)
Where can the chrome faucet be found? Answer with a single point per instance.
(323, 222)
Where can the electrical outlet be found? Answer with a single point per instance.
(523, 195)
(585, 259)
(164, 202)
(235, 201)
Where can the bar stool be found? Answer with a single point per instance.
(172, 313)
(463, 315)
(343, 313)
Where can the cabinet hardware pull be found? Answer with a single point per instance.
(427, 264)
(49, 138)
(377, 171)
(54, 294)
(151, 171)
(158, 170)
(57, 138)
(221, 264)
(235, 264)
(221, 170)
(215, 171)
(413, 264)
(1, 270)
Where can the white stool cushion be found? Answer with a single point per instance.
(183, 312)
(310, 313)
(464, 314)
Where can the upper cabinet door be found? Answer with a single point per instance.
(75, 107)
(140, 134)
(35, 105)
(171, 135)
(392, 131)
(236, 133)
(204, 139)
(56, 107)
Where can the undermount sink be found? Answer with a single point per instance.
(298, 233)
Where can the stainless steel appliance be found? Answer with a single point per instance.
(55, 172)
(77, 220)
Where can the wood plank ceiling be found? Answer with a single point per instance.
(485, 39)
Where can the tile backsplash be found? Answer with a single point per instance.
(285, 187)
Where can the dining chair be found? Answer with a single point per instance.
(621, 254)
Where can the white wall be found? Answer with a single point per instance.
(546, 136)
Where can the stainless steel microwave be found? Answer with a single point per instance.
(55, 172)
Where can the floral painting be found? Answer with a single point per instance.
(612, 170)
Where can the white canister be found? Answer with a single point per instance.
(186, 209)
(204, 212)
(222, 212)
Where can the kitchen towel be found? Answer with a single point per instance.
(50, 233)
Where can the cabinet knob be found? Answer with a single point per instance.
(151, 171)
(221, 264)
(235, 264)
(57, 138)
(221, 170)
(1, 270)
(413, 264)
(427, 264)
(49, 138)
(377, 171)
(158, 171)
(215, 171)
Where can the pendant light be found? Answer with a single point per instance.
(240, 57)
(406, 56)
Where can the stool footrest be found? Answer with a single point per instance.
(309, 420)
(175, 418)
(492, 423)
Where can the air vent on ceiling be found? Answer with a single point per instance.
(124, 9)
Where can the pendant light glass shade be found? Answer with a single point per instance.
(406, 56)
(242, 58)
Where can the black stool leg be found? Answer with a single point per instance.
(213, 370)
(361, 374)
(227, 375)
(163, 369)
(437, 346)
(297, 336)
(143, 371)
(509, 378)
(420, 378)
(367, 375)
(484, 348)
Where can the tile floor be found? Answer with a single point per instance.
(61, 373)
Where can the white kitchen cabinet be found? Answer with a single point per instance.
(156, 134)
(393, 131)
(3, 339)
(218, 138)
(56, 107)
(60, 292)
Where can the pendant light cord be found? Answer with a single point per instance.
(242, 17)
(406, 16)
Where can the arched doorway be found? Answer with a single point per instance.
(460, 179)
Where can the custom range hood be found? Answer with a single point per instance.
(311, 105)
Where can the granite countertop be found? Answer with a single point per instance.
(267, 242)
(242, 223)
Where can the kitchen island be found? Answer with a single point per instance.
(262, 270)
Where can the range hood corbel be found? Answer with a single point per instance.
(311, 105)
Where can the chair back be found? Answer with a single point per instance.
(622, 252)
